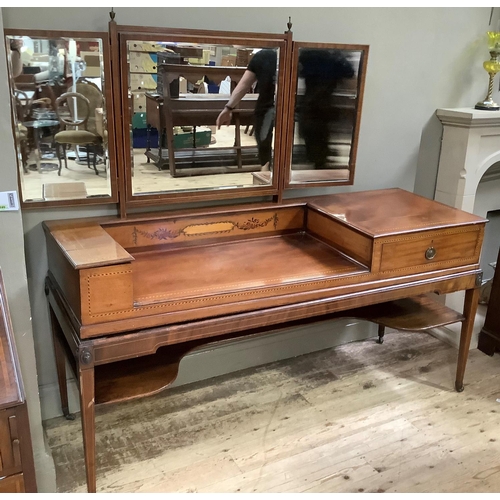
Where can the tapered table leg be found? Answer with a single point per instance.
(60, 365)
(87, 391)
(470, 307)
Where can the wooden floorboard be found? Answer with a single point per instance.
(362, 417)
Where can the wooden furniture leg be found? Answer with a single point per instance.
(148, 141)
(381, 333)
(161, 131)
(169, 128)
(60, 365)
(237, 140)
(87, 405)
(470, 307)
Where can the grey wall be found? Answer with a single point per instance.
(12, 263)
(420, 59)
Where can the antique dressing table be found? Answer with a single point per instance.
(243, 271)
(129, 296)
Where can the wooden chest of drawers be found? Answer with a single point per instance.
(17, 471)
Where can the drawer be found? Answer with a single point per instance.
(12, 484)
(436, 249)
(10, 446)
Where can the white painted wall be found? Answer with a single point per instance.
(420, 59)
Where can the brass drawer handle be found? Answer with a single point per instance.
(430, 253)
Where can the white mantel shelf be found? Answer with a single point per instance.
(468, 117)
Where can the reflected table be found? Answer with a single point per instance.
(199, 110)
(38, 126)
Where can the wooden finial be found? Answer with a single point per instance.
(289, 24)
(112, 14)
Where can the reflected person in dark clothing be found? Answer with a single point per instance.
(260, 70)
(322, 71)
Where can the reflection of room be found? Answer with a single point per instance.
(148, 178)
(325, 112)
(59, 140)
(177, 91)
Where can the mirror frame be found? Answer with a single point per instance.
(296, 46)
(114, 43)
(282, 41)
(110, 114)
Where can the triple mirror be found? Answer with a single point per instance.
(204, 115)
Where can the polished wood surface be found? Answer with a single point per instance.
(489, 337)
(212, 275)
(90, 246)
(384, 212)
(17, 470)
(296, 247)
(12, 484)
(307, 259)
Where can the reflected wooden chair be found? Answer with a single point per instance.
(96, 123)
(76, 133)
(94, 95)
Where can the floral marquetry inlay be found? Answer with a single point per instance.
(220, 227)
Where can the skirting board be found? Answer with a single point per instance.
(238, 355)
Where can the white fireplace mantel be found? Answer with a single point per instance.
(470, 146)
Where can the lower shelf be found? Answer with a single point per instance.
(147, 375)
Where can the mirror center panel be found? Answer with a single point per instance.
(201, 116)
